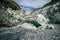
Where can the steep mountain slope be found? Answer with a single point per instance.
(9, 4)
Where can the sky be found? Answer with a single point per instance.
(30, 4)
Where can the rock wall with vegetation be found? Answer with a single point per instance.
(9, 4)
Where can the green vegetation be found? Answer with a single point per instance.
(52, 2)
(9, 3)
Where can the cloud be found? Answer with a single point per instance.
(32, 3)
